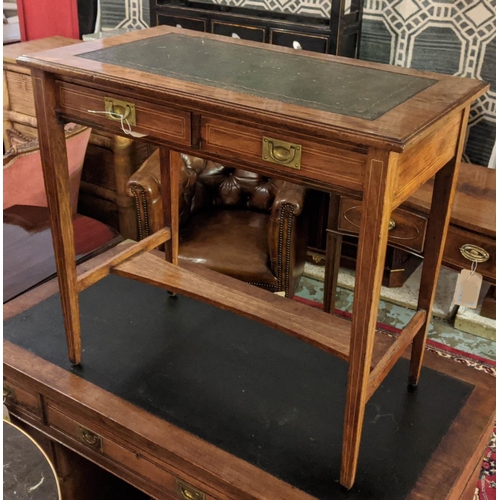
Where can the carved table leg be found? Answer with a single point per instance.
(170, 164)
(445, 184)
(56, 179)
(376, 213)
(333, 251)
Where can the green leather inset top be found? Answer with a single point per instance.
(290, 78)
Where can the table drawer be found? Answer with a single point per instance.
(21, 400)
(407, 229)
(329, 163)
(296, 40)
(245, 32)
(158, 121)
(453, 257)
(189, 23)
(134, 460)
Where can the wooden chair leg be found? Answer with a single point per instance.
(376, 212)
(442, 200)
(56, 178)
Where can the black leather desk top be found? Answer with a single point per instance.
(265, 397)
(295, 79)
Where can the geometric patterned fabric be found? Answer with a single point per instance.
(456, 37)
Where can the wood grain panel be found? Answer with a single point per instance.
(136, 460)
(420, 162)
(157, 121)
(329, 163)
(18, 398)
(20, 92)
(408, 231)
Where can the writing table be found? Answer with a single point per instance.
(286, 114)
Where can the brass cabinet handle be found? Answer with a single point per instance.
(119, 110)
(188, 492)
(90, 438)
(281, 152)
(474, 253)
(392, 224)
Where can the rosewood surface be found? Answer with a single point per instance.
(383, 144)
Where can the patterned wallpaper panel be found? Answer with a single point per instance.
(456, 37)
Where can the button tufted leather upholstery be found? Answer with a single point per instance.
(233, 221)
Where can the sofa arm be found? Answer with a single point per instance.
(145, 187)
(287, 236)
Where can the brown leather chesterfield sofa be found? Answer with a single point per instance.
(235, 222)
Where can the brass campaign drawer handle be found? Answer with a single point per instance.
(90, 438)
(474, 253)
(281, 152)
(117, 110)
(188, 492)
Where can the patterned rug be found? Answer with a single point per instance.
(486, 484)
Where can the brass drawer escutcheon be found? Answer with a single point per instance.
(281, 152)
(474, 253)
(90, 438)
(123, 108)
(9, 394)
(188, 492)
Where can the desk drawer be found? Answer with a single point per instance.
(20, 92)
(22, 401)
(296, 40)
(189, 23)
(151, 119)
(329, 163)
(453, 257)
(407, 229)
(245, 32)
(134, 460)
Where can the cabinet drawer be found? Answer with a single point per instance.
(407, 230)
(158, 121)
(453, 257)
(20, 92)
(134, 460)
(296, 40)
(245, 32)
(329, 163)
(189, 23)
(21, 400)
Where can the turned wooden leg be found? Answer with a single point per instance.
(437, 229)
(124, 168)
(170, 164)
(333, 251)
(376, 213)
(56, 179)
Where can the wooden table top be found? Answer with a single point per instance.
(363, 102)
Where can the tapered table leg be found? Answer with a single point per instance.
(442, 201)
(170, 164)
(333, 251)
(56, 179)
(376, 213)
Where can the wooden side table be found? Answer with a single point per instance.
(288, 114)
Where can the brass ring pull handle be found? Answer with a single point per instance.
(392, 224)
(281, 152)
(90, 438)
(474, 253)
(120, 110)
(188, 492)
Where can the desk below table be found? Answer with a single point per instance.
(335, 124)
(202, 402)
